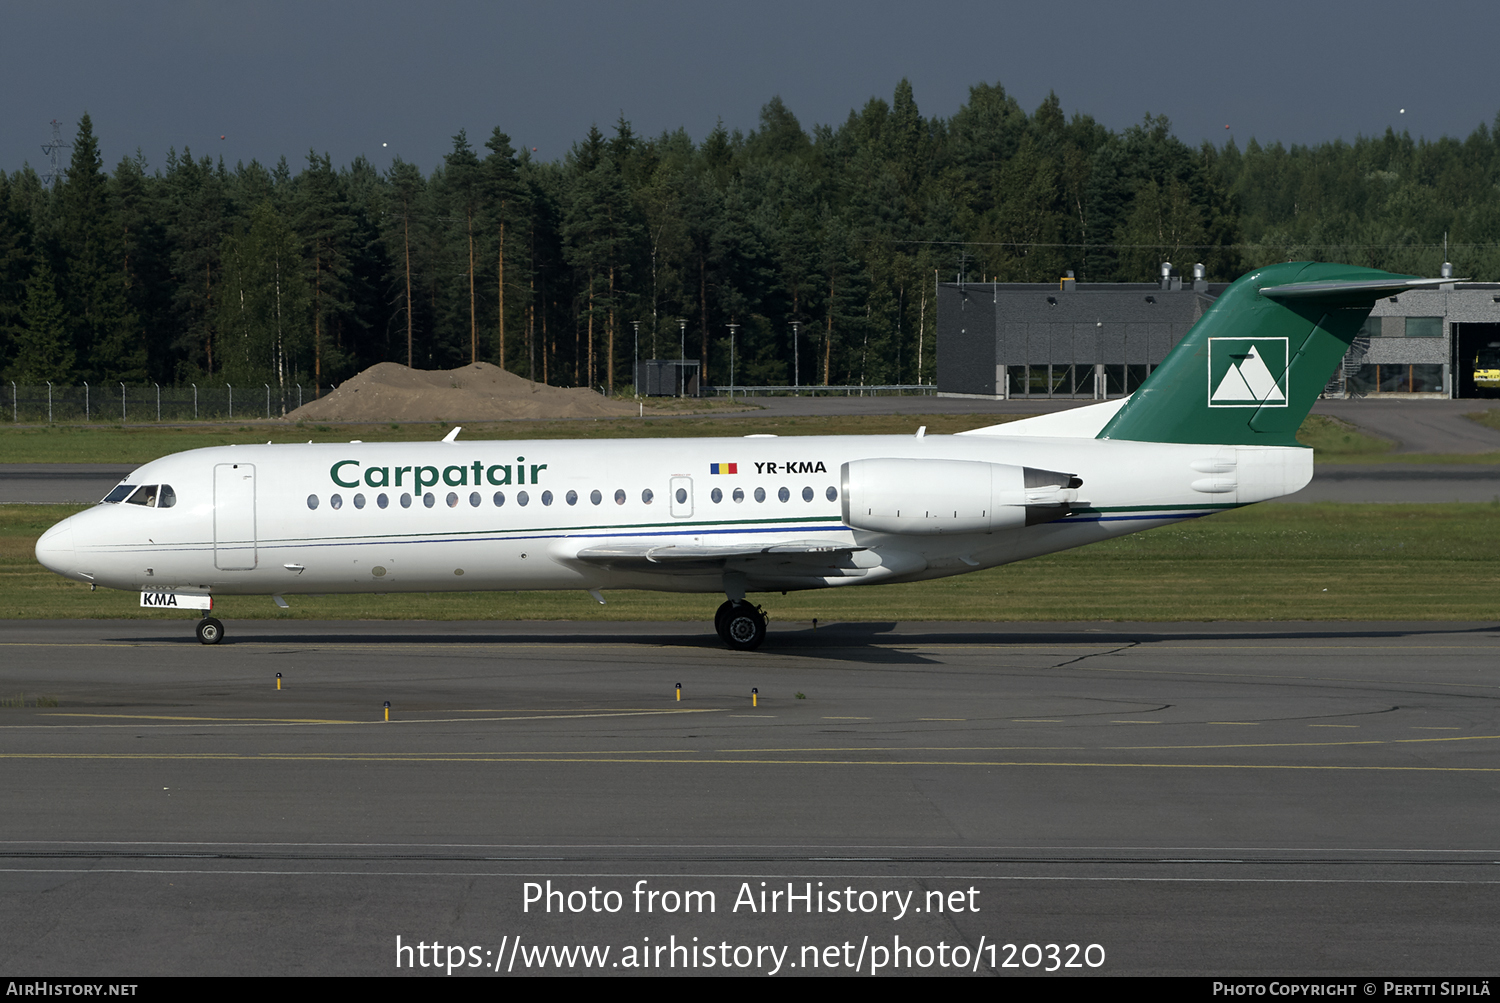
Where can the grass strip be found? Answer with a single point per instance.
(1264, 562)
(1332, 439)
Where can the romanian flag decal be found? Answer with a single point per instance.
(723, 468)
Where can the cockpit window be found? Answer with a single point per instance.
(144, 495)
(120, 493)
(167, 498)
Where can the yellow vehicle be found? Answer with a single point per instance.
(1487, 367)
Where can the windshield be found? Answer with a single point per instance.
(120, 493)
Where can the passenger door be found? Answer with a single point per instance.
(234, 516)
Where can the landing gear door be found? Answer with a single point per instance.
(234, 516)
(682, 497)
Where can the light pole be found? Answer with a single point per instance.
(681, 352)
(635, 371)
(732, 329)
(796, 359)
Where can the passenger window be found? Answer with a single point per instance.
(783, 494)
(760, 494)
(312, 501)
(716, 495)
(620, 496)
(807, 494)
(739, 494)
(647, 495)
(596, 497)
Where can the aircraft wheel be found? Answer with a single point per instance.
(744, 627)
(210, 630)
(720, 616)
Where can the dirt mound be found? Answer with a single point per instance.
(481, 392)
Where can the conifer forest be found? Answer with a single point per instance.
(307, 271)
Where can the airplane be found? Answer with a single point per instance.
(1210, 429)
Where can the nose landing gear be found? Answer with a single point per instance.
(740, 625)
(210, 630)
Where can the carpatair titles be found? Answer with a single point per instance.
(351, 474)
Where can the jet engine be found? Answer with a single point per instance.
(926, 497)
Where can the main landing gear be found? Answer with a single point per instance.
(210, 630)
(741, 625)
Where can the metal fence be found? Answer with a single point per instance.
(120, 402)
(813, 391)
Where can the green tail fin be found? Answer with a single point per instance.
(1248, 372)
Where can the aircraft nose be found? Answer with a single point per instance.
(54, 550)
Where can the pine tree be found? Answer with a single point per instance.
(42, 350)
(104, 333)
(323, 221)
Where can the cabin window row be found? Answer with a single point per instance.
(523, 498)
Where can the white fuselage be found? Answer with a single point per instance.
(244, 522)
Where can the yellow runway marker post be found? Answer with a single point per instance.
(754, 697)
(387, 711)
(679, 692)
(278, 680)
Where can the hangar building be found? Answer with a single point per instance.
(1101, 340)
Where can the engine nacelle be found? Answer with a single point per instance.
(926, 497)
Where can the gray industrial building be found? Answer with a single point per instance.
(1101, 340)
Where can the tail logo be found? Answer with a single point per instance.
(1247, 372)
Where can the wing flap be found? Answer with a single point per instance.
(670, 558)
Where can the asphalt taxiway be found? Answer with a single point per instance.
(1221, 799)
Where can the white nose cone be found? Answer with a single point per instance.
(55, 550)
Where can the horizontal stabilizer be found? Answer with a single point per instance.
(1362, 289)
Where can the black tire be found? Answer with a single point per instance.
(210, 630)
(720, 615)
(744, 627)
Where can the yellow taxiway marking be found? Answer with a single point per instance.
(165, 721)
(1110, 748)
(762, 761)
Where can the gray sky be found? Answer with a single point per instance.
(279, 79)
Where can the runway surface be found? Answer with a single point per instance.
(1220, 799)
